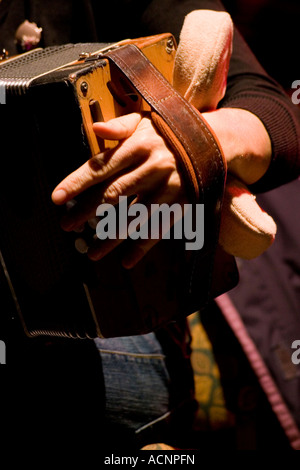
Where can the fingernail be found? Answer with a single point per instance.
(59, 196)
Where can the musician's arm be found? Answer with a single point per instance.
(142, 164)
(256, 124)
(248, 88)
(243, 138)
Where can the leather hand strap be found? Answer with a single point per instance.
(182, 125)
(196, 148)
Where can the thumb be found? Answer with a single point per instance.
(118, 128)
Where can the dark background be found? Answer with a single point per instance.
(271, 28)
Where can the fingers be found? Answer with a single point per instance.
(104, 165)
(140, 166)
(94, 171)
(146, 224)
(157, 228)
(134, 169)
(139, 181)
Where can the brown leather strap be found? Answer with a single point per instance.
(197, 150)
(202, 159)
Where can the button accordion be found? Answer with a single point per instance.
(50, 98)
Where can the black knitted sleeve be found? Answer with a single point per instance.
(249, 87)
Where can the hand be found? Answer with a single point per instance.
(140, 165)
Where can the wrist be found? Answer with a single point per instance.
(244, 140)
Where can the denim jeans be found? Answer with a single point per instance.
(139, 388)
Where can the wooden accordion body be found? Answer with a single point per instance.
(52, 97)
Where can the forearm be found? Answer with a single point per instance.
(251, 89)
(281, 120)
(245, 142)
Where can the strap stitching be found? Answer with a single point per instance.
(191, 111)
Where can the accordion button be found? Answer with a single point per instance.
(81, 245)
(93, 222)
